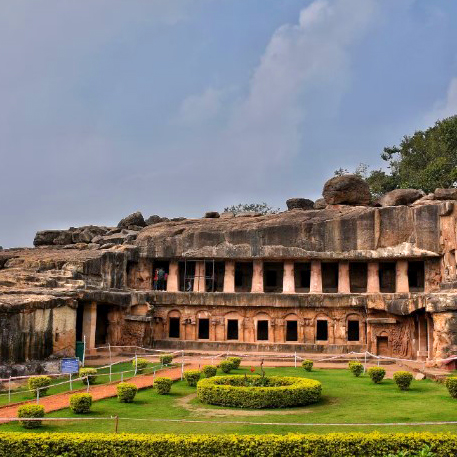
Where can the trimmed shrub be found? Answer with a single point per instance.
(269, 392)
(403, 379)
(141, 364)
(163, 385)
(192, 377)
(307, 365)
(236, 362)
(293, 444)
(209, 371)
(126, 392)
(39, 382)
(356, 368)
(226, 366)
(376, 374)
(91, 374)
(451, 384)
(80, 403)
(33, 411)
(166, 359)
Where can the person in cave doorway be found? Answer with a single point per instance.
(156, 278)
(161, 277)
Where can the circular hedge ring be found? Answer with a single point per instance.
(257, 392)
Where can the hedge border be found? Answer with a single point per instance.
(16, 444)
(296, 391)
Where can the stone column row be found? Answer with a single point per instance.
(344, 287)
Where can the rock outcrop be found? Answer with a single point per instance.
(400, 197)
(320, 203)
(212, 215)
(446, 194)
(346, 190)
(299, 203)
(134, 219)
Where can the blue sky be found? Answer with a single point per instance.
(176, 107)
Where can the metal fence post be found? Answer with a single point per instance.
(71, 385)
(136, 364)
(122, 377)
(38, 395)
(87, 379)
(84, 350)
(9, 390)
(295, 359)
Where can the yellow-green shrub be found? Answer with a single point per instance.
(236, 362)
(126, 392)
(376, 374)
(80, 403)
(166, 359)
(356, 368)
(403, 379)
(192, 377)
(451, 384)
(270, 392)
(209, 371)
(158, 445)
(39, 382)
(163, 385)
(140, 363)
(226, 366)
(90, 373)
(307, 365)
(32, 411)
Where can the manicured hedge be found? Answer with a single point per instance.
(376, 374)
(307, 364)
(90, 373)
(403, 379)
(166, 359)
(235, 361)
(270, 392)
(126, 392)
(34, 411)
(226, 366)
(451, 384)
(160, 445)
(140, 363)
(192, 377)
(39, 382)
(163, 385)
(356, 368)
(209, 371)
(80, 403)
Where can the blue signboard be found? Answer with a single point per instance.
(70, 365)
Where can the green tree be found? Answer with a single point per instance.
(425, 160)
(262, 208)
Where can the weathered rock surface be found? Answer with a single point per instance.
(446, 194)
(299, 203)
(227, 215)
(399, 197)
(132, 220)
(429, 198)
(320, 203)
(248, 214)
(212, 215)
(346, 190)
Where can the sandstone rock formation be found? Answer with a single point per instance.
(446, 194)
(212, 215)
(299, 203)
(320, 203)
(400, 197)
(346, 190)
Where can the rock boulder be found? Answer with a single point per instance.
(320, 203)
(399, 197)
(212, 215)
(131, 220)
(299, 203)
(446, 194)
(346, 190)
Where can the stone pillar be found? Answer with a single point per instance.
(402, 284)
(199, 280)
(288, 282)
(257, 276)
(173, 277)
(373, 278)
(344, 283)
(89, 325)
(229, 276)
(316, 277)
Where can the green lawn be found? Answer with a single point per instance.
(346, 399)
(21, 394)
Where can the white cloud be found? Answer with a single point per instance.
(201, 107)
(447, 107)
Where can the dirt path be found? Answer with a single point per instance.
(98, 392)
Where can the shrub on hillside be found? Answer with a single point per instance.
(80, 403)
(126, 392)
(163, 385)
(356, 368)
(209, 371)
(90, 373)
(236, 362)
(226, 366)
(31, 411)
(166, 359)
(192, 377)
(40, 383)
(403, 379)
(451, 384)
(140, 363)
(376, 374)
(307, 365)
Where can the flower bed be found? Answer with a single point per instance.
(258, 392)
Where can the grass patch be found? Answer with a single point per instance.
(346, 399)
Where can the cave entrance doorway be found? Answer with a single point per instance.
(291, 331)
(232, 329)
(382, 345)
(102, 324)
(203, 329)
(262, 330)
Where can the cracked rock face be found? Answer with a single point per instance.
(346, 190)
